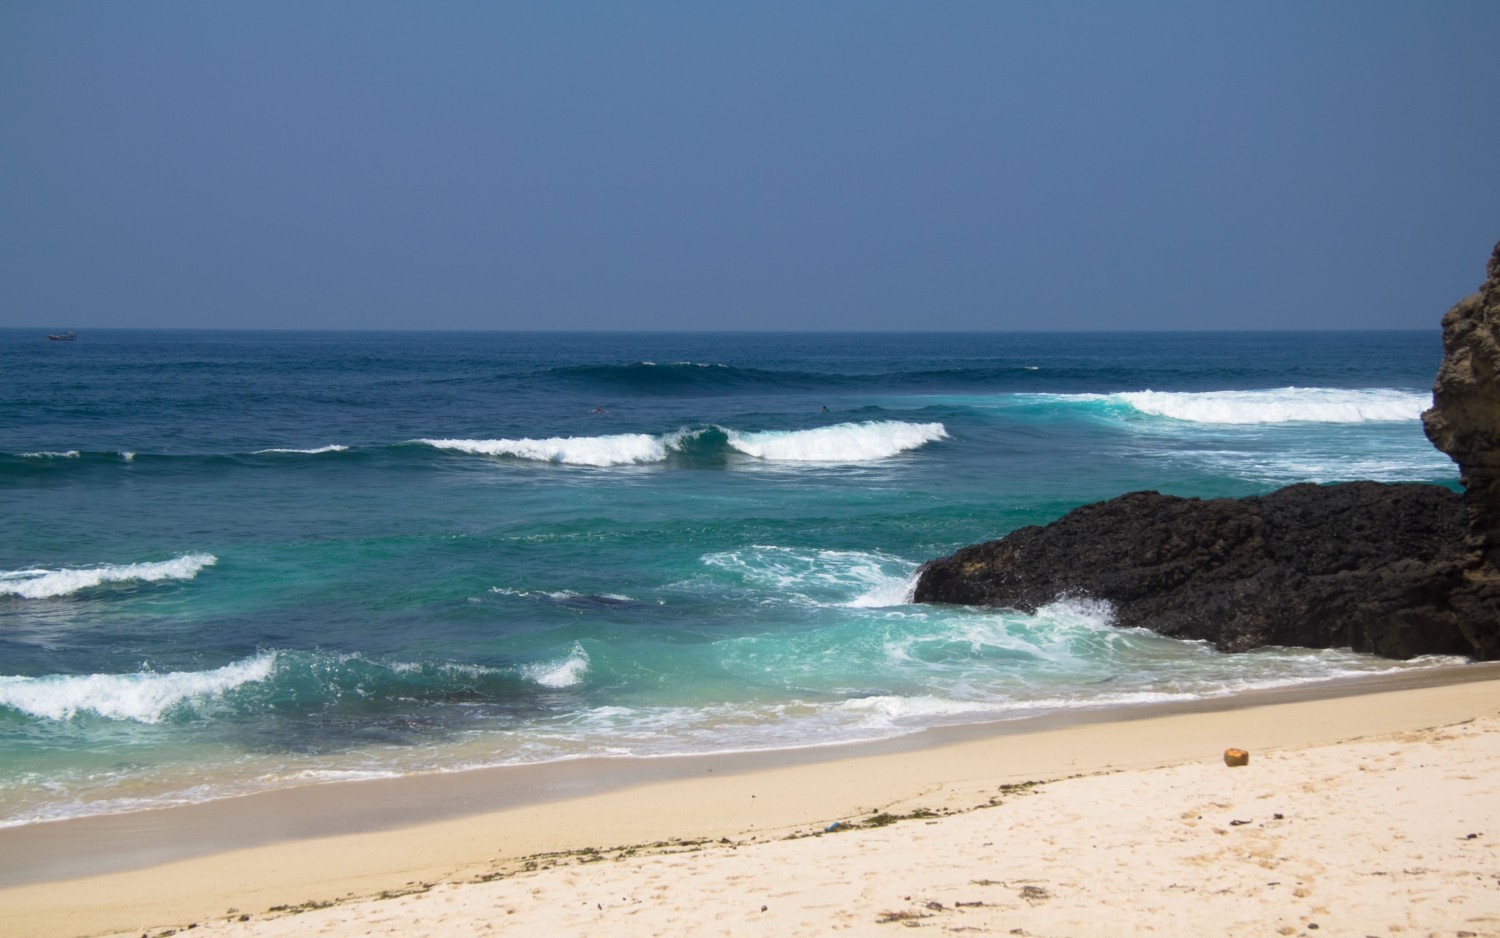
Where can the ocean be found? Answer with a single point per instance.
(236, 561)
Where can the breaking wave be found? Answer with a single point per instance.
(42, 584)
(622, 449)
(278, 680)
(557, 674)
(144, 697)
(1272, 406)
(843, 443)
(1281, 405)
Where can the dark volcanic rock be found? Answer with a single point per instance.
(1362, 564)
(1390, 569)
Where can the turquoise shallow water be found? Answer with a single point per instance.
(231, 561)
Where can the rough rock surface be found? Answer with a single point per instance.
(1464, 421)
(1398, 570)
(1362, 564)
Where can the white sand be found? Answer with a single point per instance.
(1355, 819)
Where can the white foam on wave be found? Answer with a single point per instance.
(144, 697)
(620, 449)
(841, 443)
(331, 448)
(42, 584)
(886, 591)
(1079, 611)
(850, 578)
(567, 672)
(564, 595)
(1414, 464)
(318, 776)
(457, 669)
(48, 454)
(1053, 632)
(1280, 405)
(894, 712)
(889, 707)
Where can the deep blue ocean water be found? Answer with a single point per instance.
(236, 560)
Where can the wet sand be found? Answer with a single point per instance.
(1137, 808)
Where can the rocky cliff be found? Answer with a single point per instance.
(1464, 421)
(1397, 570)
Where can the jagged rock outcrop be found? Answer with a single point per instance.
(1362, 564)
(1464, 421)
(1397, 570)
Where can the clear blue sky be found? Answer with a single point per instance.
(799, 165)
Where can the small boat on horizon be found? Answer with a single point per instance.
(63, 336)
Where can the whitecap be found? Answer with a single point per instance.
(1281, 405)
(601, 451)
(841, 443)
(41, 584)
(48, 454)
(567, 672)
(330, 448)
(144, 697)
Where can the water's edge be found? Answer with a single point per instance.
(87, 846)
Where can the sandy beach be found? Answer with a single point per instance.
(1369, 808)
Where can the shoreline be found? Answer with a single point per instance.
(173, 866)
(120, 841)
